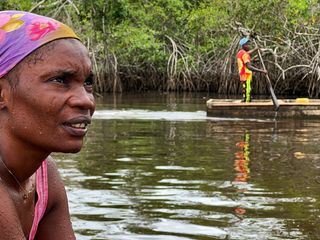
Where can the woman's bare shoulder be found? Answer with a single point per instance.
(55, 183)
(57, 213)
(51, 164)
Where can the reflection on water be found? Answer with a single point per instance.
(241, 165)
(170, 173)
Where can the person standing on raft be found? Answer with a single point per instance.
(245, 68)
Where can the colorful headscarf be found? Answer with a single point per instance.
(21, 33)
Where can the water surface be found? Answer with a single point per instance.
(155, 167)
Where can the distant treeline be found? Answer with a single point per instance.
(190, 45)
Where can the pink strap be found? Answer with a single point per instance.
(42, 191)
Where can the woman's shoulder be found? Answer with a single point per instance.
(55, 183)
(51, 165)
(57, 213)
(52, 170)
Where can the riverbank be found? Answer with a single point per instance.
(186, 45)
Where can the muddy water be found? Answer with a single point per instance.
(155, 167)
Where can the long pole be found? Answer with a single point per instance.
(273, 96)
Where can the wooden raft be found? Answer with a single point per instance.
(289, 108)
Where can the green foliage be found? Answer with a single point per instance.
(182, 37)
(301, 11)
(137, 44)
(206, 27)
(15, 5)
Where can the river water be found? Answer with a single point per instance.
(155, 167)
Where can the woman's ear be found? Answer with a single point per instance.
(4, 93)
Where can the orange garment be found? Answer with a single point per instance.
(243, 57)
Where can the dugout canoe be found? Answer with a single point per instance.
(289, 108)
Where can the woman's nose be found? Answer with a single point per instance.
(82, 99)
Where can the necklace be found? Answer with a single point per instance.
(25, 192)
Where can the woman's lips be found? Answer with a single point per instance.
(77, 126)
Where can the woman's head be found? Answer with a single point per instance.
(46, 87)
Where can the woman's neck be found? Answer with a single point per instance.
(21, 159)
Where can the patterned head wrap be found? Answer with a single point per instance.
(21, 33)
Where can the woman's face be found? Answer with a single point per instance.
(52, 102)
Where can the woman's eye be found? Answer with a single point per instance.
(88, 82)
(58, 80)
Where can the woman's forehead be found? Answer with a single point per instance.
(67, 56)
(64, 49)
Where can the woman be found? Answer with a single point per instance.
(46, 103)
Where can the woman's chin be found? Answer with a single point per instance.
(75, 150)
(69, 148)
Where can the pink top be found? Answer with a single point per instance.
(42, 191)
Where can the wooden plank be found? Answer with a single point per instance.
(290, 108)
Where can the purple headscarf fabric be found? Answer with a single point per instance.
(21, 33)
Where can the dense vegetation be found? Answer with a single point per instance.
(190, 45)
